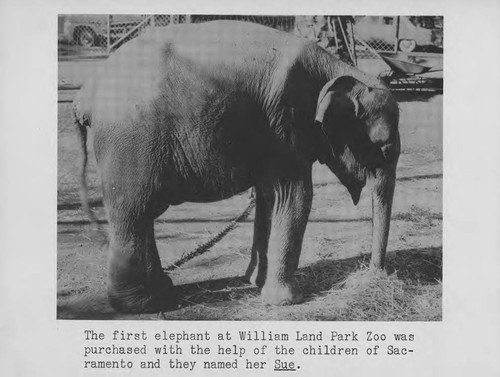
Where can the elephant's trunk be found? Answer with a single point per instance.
(382, 196)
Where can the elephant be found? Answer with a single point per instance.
(202, 112)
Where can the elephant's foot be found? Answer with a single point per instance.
(376, 264)
(143, 298)
(281, 294)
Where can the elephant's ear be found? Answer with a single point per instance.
(333, 112)
(339, 114)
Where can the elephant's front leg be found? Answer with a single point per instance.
(290, 213)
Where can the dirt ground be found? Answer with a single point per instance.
(336, 242)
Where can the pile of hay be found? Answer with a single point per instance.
(377, 296)
(363, 295)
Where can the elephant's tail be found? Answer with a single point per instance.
(81, 123)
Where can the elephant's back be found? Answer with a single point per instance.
(221, 41)
(183, 62)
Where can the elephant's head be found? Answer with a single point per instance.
(360, 139)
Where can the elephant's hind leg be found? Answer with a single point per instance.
(137, 283)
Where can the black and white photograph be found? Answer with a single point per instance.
(243, 167)
(253, 188)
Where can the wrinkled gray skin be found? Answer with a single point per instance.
(199, 113)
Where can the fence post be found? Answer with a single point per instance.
(108, 34)
(397, 35)
(188, 18)
(353, 44)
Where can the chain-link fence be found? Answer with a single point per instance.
(99, 35)
(284, 23)
(401, 33)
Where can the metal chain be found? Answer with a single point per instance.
(206, 246)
